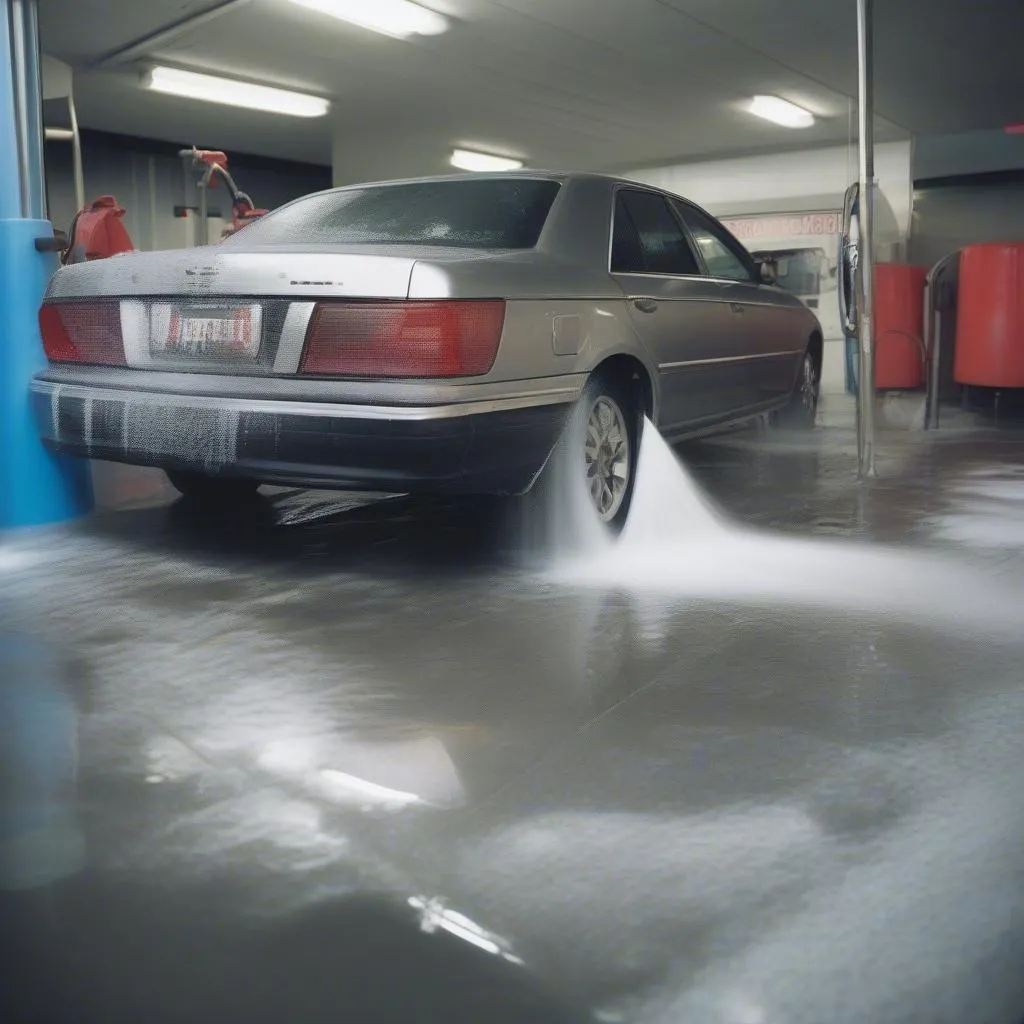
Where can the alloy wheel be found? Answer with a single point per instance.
(808, 387)
(606, 456)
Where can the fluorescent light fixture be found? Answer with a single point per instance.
(399, 18)
(212, 89)
(789, 115)
(468, 160)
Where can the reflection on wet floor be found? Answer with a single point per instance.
(342, 754)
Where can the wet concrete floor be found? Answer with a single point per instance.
(339, 759)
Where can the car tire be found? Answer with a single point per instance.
(801, 412)
(605, 400)
(593, 466)
(213, 490)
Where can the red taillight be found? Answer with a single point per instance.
(403, 339)
(82, 332)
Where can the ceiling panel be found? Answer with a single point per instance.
(79, 31)
(584, 83)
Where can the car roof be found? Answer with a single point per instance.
(527, 173)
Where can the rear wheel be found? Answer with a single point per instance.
(217, 490)
(592, 472)
(610, 451)
(802, 410)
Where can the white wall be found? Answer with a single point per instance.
(808, 180)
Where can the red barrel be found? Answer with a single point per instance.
(990, 316)
(899, 326)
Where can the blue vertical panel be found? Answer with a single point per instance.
(10, 186)
(35, 485)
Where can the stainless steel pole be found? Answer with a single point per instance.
(76, 156)
(26, 71)
(866, 262)
(204, 213)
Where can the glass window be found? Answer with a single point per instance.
(798, 270)
(493, 213)
(647, 238)
(723, 255)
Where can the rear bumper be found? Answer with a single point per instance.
(495, 445)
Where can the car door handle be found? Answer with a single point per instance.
(737, 307)
(646, 305)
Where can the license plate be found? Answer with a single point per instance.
(222, 331)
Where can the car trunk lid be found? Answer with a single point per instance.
(218, 310)
(211, 271)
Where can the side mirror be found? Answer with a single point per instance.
(769, 270)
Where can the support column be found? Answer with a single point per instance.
(35, 486)
(866, 227)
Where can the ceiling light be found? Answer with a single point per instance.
(470, 161)
(212, 89)
(789, 115)
(399, 18)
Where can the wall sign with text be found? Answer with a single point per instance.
(779, 226)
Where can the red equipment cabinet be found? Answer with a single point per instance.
(899, 326)
(990, 316)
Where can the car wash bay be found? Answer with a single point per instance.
(653, 789)
(372, 758)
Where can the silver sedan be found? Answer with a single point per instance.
(431, 335)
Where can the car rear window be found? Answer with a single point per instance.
(502, 213)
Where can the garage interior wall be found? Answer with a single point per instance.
(147, 177)
(948, 156)
(795, 182)
(949, 217)
(968, 188)
(149, 181)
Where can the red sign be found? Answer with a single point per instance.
(776, 226)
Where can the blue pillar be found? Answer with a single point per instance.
(36, 486)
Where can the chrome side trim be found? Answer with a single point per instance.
(729, 359)
(318, 410)
(702, 278)
(293, 337)
(404, 392)
(708, 299)
(715, 426)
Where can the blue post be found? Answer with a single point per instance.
(36, 486)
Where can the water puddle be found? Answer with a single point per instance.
(678, 545)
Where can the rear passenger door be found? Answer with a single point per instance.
(762, 338)
(675, 309)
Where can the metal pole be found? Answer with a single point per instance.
(28, 109)
(152, 203)
(936, 308)
(76, 156)
(866, 261)
(931, 356)
(204, 213)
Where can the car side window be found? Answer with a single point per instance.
(723, 255)
(647, 238)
